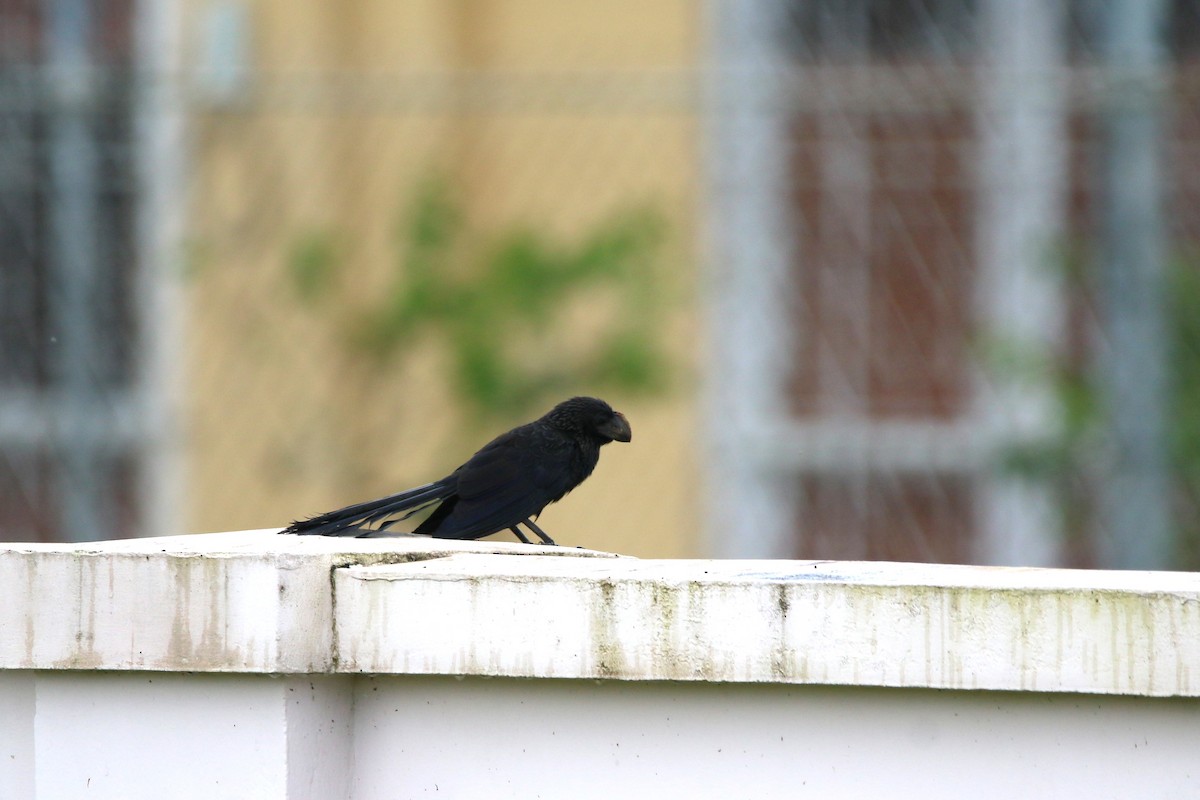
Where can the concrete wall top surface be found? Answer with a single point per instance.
(255, 602)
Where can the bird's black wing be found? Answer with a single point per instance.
(510, 480)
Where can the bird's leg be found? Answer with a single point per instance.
(520, 535)
(541, 534)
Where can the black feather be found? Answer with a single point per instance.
(508, 482)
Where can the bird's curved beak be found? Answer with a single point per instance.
(617, 428)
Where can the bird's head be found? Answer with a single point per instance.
(590, 416)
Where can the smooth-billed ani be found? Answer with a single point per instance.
(506, 484)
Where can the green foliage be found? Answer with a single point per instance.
(1184, 368)
(512, 308)
(311, 265)
(1065, 460)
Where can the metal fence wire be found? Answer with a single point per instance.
(942, 254)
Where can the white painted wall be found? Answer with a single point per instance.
(260, 666)
(145, 735)
(520, 739)
(151, 735)
(17, 710)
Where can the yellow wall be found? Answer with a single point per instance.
(281, 422)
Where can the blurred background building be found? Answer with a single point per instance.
(904, 279)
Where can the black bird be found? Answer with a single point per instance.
(508, 482)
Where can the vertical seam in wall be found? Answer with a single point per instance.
(335, 659)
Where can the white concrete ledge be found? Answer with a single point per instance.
(849, 624)
(256, 602)
(249, 601)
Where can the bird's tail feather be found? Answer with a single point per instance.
(351, 520)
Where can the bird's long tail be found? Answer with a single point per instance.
(355, 520)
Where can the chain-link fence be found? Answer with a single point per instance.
(981, 251)
(906, 279)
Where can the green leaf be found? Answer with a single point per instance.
(312, 265)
